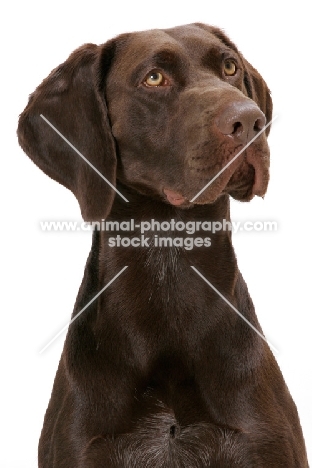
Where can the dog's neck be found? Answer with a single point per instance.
(166, 251)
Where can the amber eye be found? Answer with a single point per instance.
(229, 67)
(155, 78)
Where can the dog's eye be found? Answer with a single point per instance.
(229, 67)
(155, 78)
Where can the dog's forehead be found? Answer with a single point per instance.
(190, 40)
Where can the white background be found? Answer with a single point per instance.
(42, 272)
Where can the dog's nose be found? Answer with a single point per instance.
(241, 120)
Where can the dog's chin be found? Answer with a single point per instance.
(174, 198)
(177, 200)
(243, 192)
(240, 188)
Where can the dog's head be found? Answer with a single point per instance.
(164, 112)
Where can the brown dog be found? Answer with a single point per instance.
(159, 371)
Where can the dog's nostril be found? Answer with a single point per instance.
(237, 128)
(259, 124)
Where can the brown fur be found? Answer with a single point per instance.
(159, 371)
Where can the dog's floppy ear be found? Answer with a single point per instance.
(258, 91)
(72, 100)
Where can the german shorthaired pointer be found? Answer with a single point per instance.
(159, 371)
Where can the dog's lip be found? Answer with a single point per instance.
(260, 182)
(174, 198)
